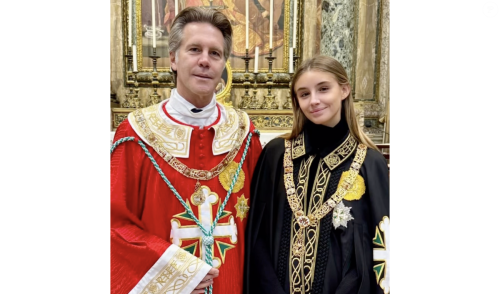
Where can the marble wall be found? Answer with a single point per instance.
(384, 77)
(337, 31)
(354, 32)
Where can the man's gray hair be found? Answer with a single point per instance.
(202, 15)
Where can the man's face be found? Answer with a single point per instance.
(199, 63)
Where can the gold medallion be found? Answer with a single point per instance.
(227, 176)
(357, 189)
(198, 197)
(242, 207)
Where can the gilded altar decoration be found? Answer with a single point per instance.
(271, 121)
(357, 190)
(227, 175)
(242, 207)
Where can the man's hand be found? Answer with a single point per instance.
(206, 281)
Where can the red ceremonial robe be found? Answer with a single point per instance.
(154, 243)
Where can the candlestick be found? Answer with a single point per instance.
(154, 97)
(130, 80)
(271, 27)
(129, 23)
(247, 23)
(134, 56)
(254, 102)
(176, 7)
(295, 23)
(269, 99)
(245, 99)
(153, 21)
(290, 61)
(256, 64)
(132, 100)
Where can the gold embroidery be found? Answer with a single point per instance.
(173, 138)
(312, 232)
(164, 149)
(226, 177)
(227, 133)
(298, 146)
(242, 207)
(297, 235)
(357, 189)
(175, 275)
(341, 153)
(304, 230)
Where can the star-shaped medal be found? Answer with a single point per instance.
(242, 207)
(341, 215)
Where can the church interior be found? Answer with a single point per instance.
(280, 34)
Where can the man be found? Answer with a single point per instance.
(183, 193)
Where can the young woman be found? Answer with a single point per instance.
(319, 217)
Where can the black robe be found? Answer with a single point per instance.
(344, 258)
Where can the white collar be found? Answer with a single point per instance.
(180, 109)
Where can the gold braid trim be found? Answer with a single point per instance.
(296, 204)
(303, 222)
(196, 174)
(176, 274)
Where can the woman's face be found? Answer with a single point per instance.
(320, 97)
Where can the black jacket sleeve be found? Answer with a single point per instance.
(260, 236)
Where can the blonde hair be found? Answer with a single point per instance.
(330, 65)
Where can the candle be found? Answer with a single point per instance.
(129, 23)
(246, 31)
(134, 56)
(271, 27)
(256, 65)
(176, 7)
(290, 58)
(295, 23)
(153, 21)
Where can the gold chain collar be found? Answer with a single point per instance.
(296, 203)
(196, 174)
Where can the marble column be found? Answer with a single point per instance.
(383, 82)
(311, 31)
(337, 32)
(366, 52)
(116, 51)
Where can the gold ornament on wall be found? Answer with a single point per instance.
(223, 89)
